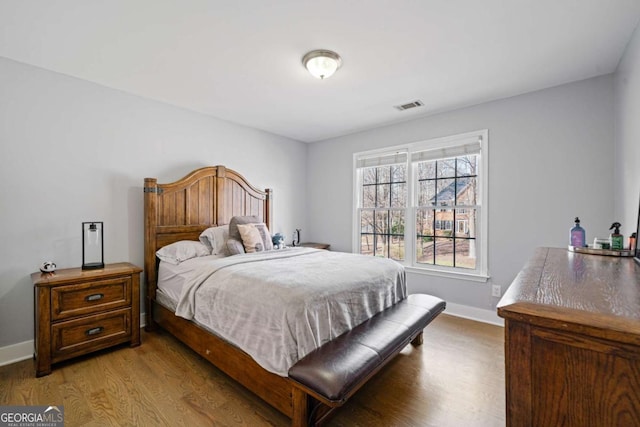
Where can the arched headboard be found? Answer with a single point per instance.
(181, 210)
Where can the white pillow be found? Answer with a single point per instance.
(180, 251)
(214, 238)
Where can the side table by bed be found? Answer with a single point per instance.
(80, 311)
(325, 246)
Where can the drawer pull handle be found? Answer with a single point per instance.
(94, 331)
(94, 297)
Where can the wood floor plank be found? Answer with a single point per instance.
(455, 378)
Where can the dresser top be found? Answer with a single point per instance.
(589, 291)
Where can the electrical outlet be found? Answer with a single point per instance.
(496, 291)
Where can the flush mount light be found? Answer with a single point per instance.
(321, 63)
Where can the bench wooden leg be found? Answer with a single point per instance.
(300, 401)
(418, 340)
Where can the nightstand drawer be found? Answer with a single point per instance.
(90, 297)
(90, 333)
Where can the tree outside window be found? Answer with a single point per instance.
(384, 199)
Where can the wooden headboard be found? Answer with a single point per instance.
(181, 210)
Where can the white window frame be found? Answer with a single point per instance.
(442, 147)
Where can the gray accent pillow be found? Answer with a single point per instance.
(234, 246)
(265, 235)
(233, 225)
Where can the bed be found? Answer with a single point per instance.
(182, 210)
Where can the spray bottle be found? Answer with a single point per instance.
(616, 239)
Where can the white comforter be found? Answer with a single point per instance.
(278, 306)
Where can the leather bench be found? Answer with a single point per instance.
(337, 369)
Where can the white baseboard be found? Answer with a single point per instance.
(16, 352)
(24, 350)
(474, 313)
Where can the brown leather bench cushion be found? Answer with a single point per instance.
(338, 368)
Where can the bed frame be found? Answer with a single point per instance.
(181, 210)
(324, 379)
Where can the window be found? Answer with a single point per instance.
(383, 202)
(447, 182)
(422, 204)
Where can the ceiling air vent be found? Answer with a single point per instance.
(410, 105)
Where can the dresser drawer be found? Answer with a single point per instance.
(90, 297)
(91, 333)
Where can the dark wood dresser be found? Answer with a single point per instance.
(572, 341)
(79, 311)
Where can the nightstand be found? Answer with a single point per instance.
(315, 245)
(80, 311)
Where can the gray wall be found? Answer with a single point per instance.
(627, 135)
(550, 159)
(73, 151)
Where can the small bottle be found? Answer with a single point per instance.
(616, 239)
(632, 242)
(577, 236)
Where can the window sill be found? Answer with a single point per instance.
(449, 274)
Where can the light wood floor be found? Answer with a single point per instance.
(455, 379)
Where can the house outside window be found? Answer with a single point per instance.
(424, 204)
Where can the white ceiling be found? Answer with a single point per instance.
(240, 60)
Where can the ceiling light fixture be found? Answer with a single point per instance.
(322, 63)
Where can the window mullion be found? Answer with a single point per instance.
(455, 202)
(410, 213)
(388, 236)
